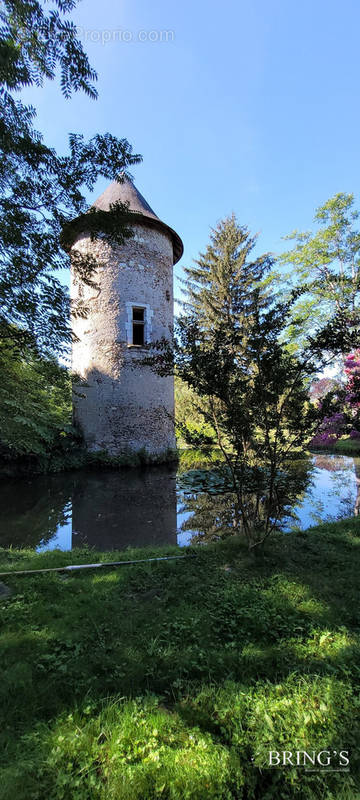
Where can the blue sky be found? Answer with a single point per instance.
(251, 107)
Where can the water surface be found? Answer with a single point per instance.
(110, 510)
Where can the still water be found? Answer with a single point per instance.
(115, 510)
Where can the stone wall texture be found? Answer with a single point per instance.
(124, 405)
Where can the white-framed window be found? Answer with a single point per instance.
(138, 324)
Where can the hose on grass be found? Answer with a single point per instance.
(101, 564)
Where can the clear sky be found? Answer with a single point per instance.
(248, 106)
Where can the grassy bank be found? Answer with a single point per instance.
(174, 680)
(344, 446)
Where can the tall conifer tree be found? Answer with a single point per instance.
(222, 285)
(251, 390)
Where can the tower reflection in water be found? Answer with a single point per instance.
(102, 510)
(116, 510)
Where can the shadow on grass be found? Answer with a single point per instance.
(252, 656)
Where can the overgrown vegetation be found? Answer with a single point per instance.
(175, 680)
(35, 402)
(191, 428)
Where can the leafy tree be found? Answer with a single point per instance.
(41, 190)
(326, 265)
(190, 425)
(35, 404)
(33, 44)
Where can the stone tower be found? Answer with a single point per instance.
(125, 406)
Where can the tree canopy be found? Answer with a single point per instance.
(326, 265)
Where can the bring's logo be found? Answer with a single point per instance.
(334, 760)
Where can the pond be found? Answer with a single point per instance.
(109, 510)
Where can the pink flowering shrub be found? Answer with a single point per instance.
(341, 407)
(331, 428)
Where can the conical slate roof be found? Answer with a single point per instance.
(126, 192)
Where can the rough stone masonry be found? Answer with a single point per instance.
(124, 406)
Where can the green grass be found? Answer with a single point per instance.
(345, 446)
(174, 680)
